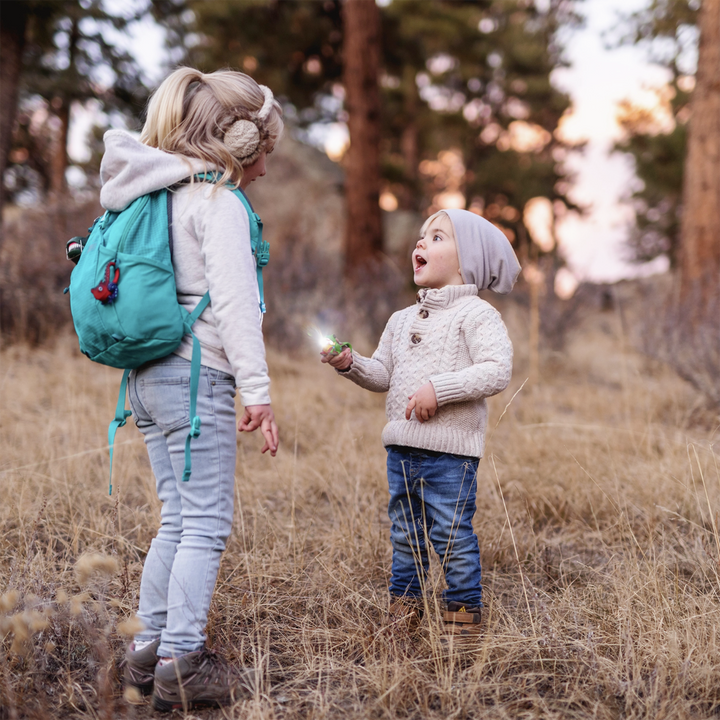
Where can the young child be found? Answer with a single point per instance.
(223, 121)
(438, 360)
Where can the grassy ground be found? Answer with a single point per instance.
(597, 524)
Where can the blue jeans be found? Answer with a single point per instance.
(432, 496)
(181, 567)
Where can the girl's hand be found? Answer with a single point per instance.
(424, 402)
(261, 416)
(342, 361)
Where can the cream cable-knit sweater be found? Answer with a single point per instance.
(460, 344)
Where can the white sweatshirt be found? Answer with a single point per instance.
(211, 251)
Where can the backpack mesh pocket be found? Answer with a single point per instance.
(147, 233)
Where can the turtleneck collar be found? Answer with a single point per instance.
(445, 296)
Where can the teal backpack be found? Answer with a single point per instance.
(123, 297)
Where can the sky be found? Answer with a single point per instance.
(597, 79)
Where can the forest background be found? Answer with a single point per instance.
(446, 104)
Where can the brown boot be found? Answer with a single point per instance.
(140, 665)
(199, 679)
(462, 620)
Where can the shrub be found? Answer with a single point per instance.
(681, 332)
(34, 271)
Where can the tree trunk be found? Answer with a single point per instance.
(361, 49)
(409, 139)
(700, 233)
(61, 105)
(59, 161)
(13, 22)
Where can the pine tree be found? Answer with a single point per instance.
(659, 156)
(68, 58)
(13, 21)
(361, 56)
(659, 151)
(468, 78)
(680, 168)
(482, 72)
(700, 249)
(293, 47)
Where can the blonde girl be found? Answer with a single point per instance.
(223, 122)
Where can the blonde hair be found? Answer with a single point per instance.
(439, 215)
(190, 113)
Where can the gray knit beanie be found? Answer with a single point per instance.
(485, 254)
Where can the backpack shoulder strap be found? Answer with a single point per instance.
(260, 248)
(121, 416)
(169, 195)
(194, 382)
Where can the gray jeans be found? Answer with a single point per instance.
(182, 564)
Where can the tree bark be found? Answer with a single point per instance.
(361, 49)
(409, 139)
(61, 106)
(59, 160)
(700, 232)
(13, 22)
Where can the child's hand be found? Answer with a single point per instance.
(261, 416)
(424, 402)
(341, 361)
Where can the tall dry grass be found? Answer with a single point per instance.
(597, 524)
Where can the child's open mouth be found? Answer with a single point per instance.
(420, 262)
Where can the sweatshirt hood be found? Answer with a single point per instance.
(130, 169)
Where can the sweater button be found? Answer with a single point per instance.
(423, 313)
(415, 338)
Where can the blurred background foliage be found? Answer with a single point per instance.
(71, 55)
(657, 142)
(469, 118)
(469, 114)
(468, 110)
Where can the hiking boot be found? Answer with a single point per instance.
(199, 679)
(462, 620)
(140, 665)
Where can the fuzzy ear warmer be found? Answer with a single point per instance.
(485, 254)
(245, 138)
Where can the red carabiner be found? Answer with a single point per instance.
(107, 291)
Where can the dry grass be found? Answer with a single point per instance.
(596, 520)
